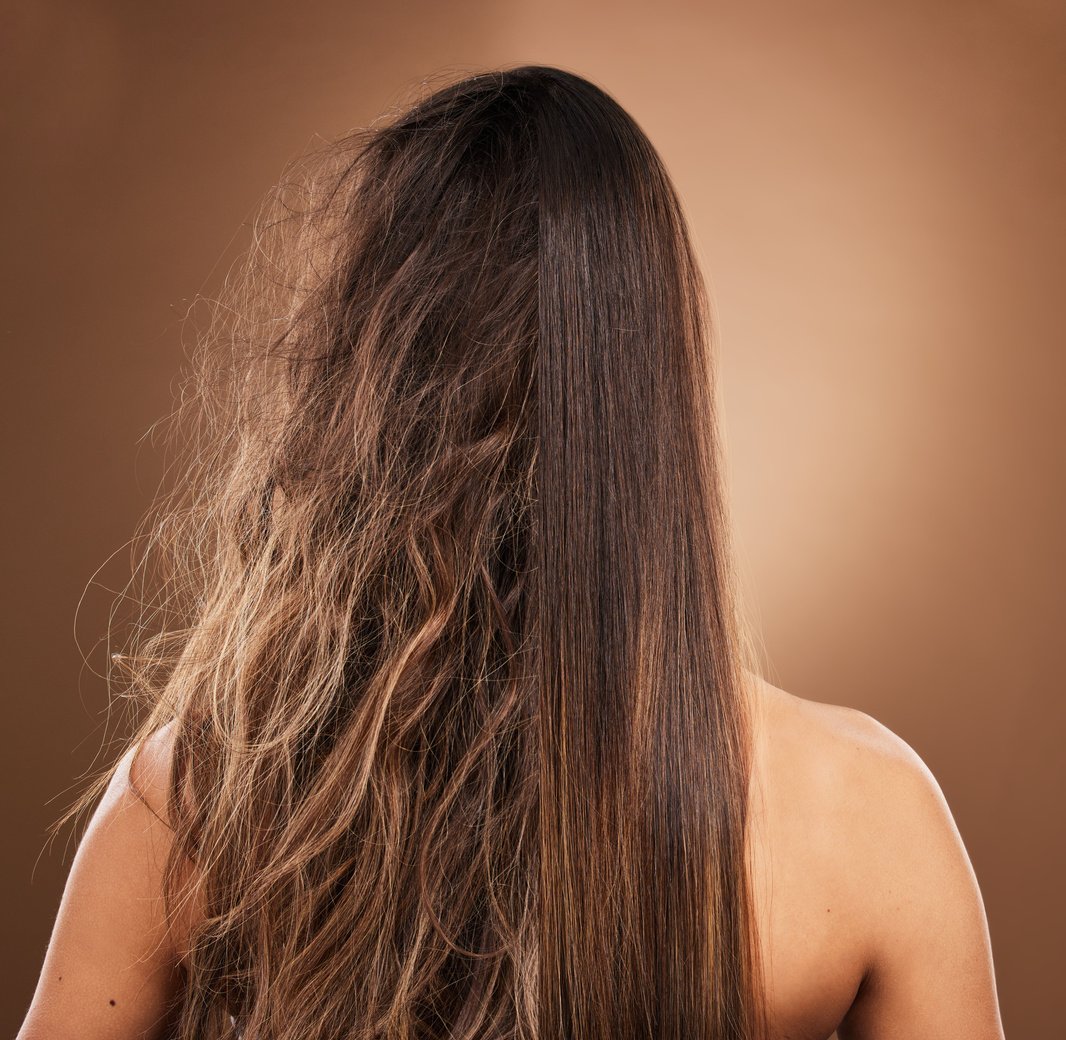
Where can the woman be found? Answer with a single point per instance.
(459, 733)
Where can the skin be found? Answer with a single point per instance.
(870, 916)
(875, 928)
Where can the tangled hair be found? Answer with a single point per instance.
(452, 665)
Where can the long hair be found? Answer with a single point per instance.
(453, 666)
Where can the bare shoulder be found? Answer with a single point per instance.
(111, 968)
(853, 805)
(843, 755)
(874, 798)
(835, 727)
(146, 770)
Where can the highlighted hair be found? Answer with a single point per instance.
(460, 738)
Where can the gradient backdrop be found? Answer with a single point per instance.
(877, 191)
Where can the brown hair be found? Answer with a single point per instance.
(451, 654)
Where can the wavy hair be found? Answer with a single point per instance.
(450, 654)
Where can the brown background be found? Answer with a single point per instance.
(877, 193)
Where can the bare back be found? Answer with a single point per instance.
(870, 918)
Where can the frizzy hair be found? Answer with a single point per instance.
(452, 666)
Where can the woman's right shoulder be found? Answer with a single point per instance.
(842, 754)
(862, 788)
(861, 808)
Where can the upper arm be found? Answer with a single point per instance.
(930, 969)
(111, 968)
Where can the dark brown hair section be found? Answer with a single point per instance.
(643, 737)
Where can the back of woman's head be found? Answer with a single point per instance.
(459, 737)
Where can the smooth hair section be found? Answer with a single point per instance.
(446, 639)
